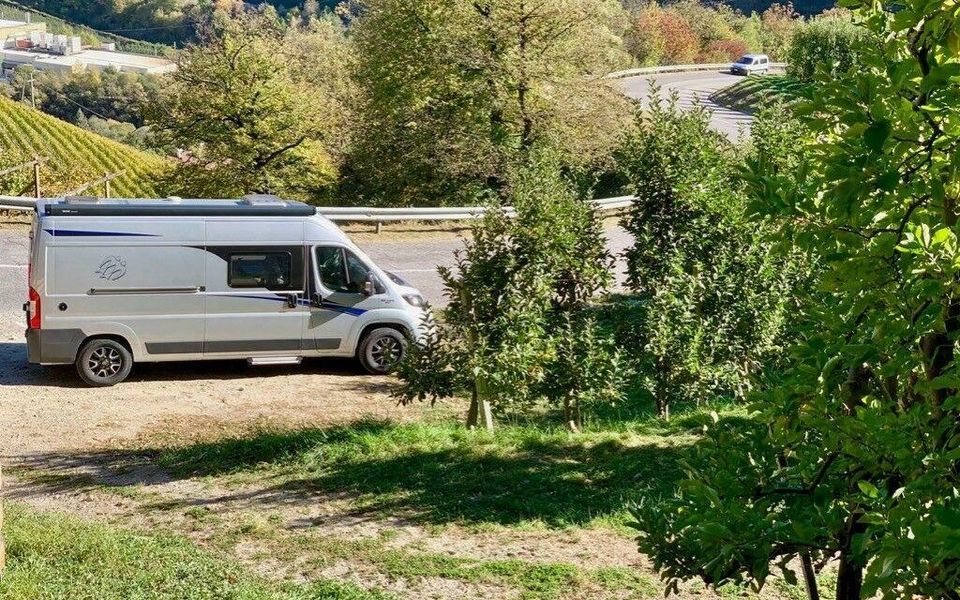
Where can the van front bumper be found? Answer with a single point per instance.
(53, 346)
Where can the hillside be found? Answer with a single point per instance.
(804, 7)
(15, 11)
(76, 154)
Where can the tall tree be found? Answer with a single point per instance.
(519, 288)
(855, 458)
(454, 91)
(251, 110)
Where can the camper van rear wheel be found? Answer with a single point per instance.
(381, 350)
(103, 362)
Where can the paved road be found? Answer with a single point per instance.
(690, 87)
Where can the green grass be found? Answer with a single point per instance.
(520, 476)
(55, 556)
(77, 151)
(747, 95)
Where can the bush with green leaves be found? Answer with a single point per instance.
(711, 298)
(519, 287)
(854, 458)
(829, 42)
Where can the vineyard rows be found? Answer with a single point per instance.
(75, 150)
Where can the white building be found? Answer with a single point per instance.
(26, 43)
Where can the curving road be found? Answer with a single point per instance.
(691, 87)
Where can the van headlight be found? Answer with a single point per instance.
(415, 300)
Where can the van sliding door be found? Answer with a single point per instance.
(255, 300)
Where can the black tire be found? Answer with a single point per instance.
(102, 362)
(381, 350)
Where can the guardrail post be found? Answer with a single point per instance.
(379, 226)
(36, 179)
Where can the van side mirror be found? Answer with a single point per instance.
(369, 286)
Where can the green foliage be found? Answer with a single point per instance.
(455, 93)
(829, 42)
(711, 301)
(514, 278)
(107, 94)
(690, 31)
(253, 110)
(854, 456)
(76, 156)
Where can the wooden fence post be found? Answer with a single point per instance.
(36, 179)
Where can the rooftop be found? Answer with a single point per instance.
(89, 58)
(249, 206)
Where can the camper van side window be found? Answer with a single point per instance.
(270, 270)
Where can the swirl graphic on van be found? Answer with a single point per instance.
(112, 268)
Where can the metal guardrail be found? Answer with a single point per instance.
(374, 215)
(680, 69)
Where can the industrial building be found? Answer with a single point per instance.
(26, 43)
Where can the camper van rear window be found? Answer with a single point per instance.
(270, 270)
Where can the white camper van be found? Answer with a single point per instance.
(114, 282)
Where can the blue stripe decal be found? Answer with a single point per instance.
(78, 233)
(347, 310)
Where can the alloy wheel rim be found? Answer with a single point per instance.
(385, 352)
(104, 362)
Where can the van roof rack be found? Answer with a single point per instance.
(248, 206)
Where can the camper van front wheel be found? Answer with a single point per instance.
(381, 349)
(103, 362)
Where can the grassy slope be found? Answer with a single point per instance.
(748, 94)
(441, 473)
(74, 149)
(54, 556)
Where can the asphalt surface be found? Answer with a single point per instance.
(692, 88)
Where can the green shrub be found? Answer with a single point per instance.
(830, 42)
(711, 298)
(518, 281)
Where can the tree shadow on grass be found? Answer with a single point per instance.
(442, 474)
(427, 473)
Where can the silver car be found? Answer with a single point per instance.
(748, 64)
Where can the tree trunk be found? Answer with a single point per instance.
(809, 577)
(473, 414)
(571, 414)
(849, 579)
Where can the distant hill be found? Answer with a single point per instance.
(804, 7)
(76, 150)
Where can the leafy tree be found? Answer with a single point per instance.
(455, 92)
(827, 42)
(251, 111)
(853, 458)
(520, 284)
(778, 25)
(711, 299)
